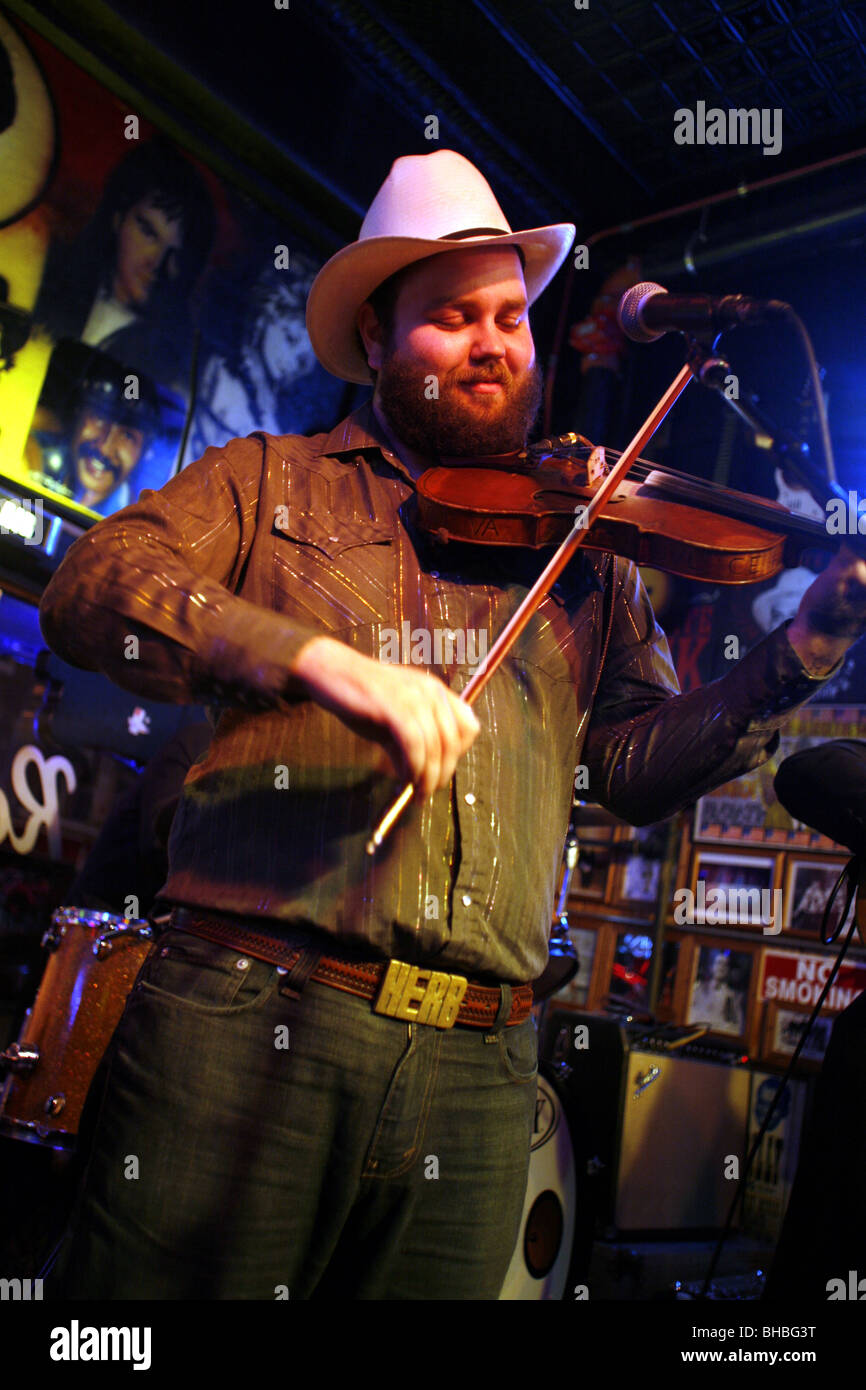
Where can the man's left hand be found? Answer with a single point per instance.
(832, 613)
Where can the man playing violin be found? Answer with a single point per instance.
(326, 1068)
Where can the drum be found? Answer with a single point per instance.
(94, 962)
(542, 1262)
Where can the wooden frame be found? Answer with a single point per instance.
(673, 998)
(777, 1035)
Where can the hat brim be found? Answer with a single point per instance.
(351, 275)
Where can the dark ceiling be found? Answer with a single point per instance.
(569, 111)
(571, 114)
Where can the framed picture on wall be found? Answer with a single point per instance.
(639, 853)
(730, 890)
(747, 811)
(808, 891)
(722, 988)
(592, 872)
(784, 1025)
(166, 303)
(575, 994)
(628, 972)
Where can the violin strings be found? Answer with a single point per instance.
(700, 490)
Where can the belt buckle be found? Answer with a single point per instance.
(434, 1000)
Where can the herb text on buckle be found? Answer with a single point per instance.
(420, 995)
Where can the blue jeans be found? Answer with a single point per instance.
(246, 1144)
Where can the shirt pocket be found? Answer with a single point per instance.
(331, 573)
(332, 537)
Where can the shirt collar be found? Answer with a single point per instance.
(359, 431)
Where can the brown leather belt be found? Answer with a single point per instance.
(416, 993)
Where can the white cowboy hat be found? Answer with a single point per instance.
(427, 203)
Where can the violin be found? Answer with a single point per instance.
(656, 517)
(652, 518)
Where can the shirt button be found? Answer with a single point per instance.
(242, 963)
(466, 900)
(469, 798)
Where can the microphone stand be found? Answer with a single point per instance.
(714, 371)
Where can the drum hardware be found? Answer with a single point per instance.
(562, 960)
(114, 927)
(20, 1057)
(81, 996)
(105, 941)
(557, 1230)
(542, 1256)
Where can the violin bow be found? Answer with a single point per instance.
(548, 577)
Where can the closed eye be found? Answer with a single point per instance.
(460, 320)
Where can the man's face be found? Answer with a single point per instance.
(148, 242)
(461, 330)
(105, 452)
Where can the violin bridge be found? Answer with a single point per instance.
(596, 465)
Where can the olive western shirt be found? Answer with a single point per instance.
(206, 589)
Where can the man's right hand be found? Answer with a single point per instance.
(422, 725)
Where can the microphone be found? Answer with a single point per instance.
(647, 311)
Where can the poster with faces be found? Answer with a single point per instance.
(143, 301)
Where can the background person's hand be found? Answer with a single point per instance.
(832, 612)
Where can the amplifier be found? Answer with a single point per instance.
(662, 1123)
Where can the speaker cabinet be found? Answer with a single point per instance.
(664, 1126)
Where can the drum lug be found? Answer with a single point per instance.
(20, 1057)
(134, 928)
